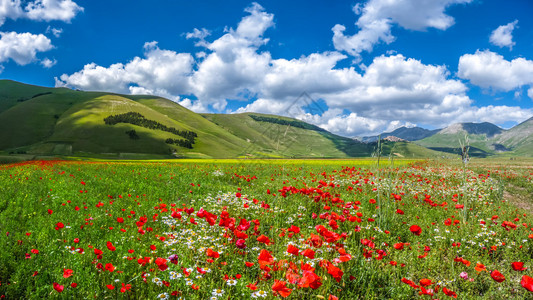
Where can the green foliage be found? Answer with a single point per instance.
(136, 118)
(132, 134)
(293, 123)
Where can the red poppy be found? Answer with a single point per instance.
(125, 287)
(308, 253)
(294, 229)
(263, 239)
(212, 253)
(398, 246)
(120, 220)
(310, 279)
(280, 287)
(480, 267)
(249, 264)
(110, 246)
(497, 276)
(518, 266)
(335, 272)
(527, 283)
(58, 287)
(110, 267)
(240, 243)
(265, 258)
(73, 285)
(67, 273)
(293, 250)
(110, 286)
(448, 292)
(410, 283)
(425, 282)
(161, 263)
(415, 229)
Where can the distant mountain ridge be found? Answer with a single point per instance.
(404, 133)
(486, 128)
(485, 139)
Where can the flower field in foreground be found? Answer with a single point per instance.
(215, 230)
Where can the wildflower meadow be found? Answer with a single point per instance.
(237, 229)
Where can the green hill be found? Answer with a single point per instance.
(40, 121)
(63, 121)
(519, 139)
(275, 136)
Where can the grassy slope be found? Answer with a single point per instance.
(84, 128)
(479, 144)
(519, 138)
(70, 121)
(31, 121)
(212, 139)
(410, 150)
(12, 92)
(270, 139)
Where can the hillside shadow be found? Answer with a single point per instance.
(473, 151)
(350, 147)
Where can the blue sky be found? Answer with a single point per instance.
(370, 66)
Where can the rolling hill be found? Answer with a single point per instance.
(58, 121)
(518, 138)
(40, 121)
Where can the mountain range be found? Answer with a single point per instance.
(484, 139)
(40, 121)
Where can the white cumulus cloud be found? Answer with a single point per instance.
(22, 48)
(378, 16)
(48, 63)
(491, 70)
(9, 9)
(160, 72)
(39, 10)
(48, 10)
(503, 35)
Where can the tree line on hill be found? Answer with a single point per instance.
(293, 123)
(136, 118)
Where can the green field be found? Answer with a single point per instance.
(266, 229)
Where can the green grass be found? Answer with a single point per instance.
(267, 139)
(89, 197)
